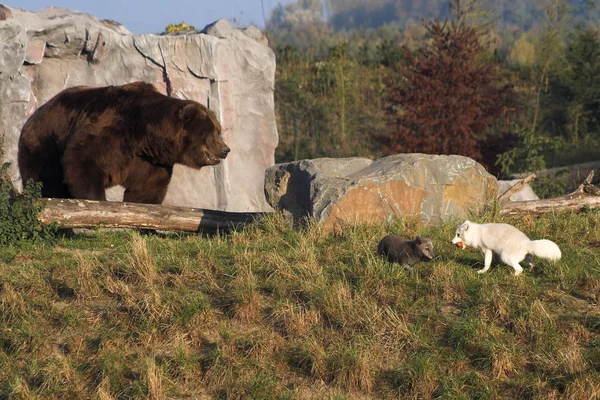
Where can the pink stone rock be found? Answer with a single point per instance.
(35, 52)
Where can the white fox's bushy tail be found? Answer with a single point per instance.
(544, 248)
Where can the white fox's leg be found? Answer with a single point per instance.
(487, 261)
(517, 267)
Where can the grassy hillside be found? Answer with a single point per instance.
(268, 312)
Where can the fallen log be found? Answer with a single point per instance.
(74, 213)
(587, 187)
(586, 196)
(579, 203)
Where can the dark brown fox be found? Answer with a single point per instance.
(406, 252)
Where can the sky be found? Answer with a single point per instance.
(152, 16)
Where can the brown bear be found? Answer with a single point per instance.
(86, 139)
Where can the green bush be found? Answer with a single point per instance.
(529, 155)
(547, 187)
(19, 212)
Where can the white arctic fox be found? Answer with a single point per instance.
(509, 243)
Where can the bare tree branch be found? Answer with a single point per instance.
(515, 188)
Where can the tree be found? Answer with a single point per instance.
(522, 52)
(549, 61)
(327, 107)
(583, 78)
(577, 89)
(448, 93)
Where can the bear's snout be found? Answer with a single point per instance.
(224, 151)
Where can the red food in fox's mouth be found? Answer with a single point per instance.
(460, 244)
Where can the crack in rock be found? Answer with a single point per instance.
(162, 66)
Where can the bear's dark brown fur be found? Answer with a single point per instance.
(86, 139)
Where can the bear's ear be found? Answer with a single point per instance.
(188, 112)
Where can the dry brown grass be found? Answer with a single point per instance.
(142, 262)
(87, 285)
(103, 390)
(13, 305)
(155, 381)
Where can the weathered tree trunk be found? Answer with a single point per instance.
(584, 197)
(71, 213)
(575, 203)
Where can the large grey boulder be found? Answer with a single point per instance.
(232, 71)
(435, 187)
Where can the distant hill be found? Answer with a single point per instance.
(364, 14)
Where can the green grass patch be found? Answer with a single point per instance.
(271, 312)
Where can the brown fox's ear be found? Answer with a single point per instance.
(426, 237)
(418, 239)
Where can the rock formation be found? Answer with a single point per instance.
(435, 187)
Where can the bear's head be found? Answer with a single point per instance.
(202, 141)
